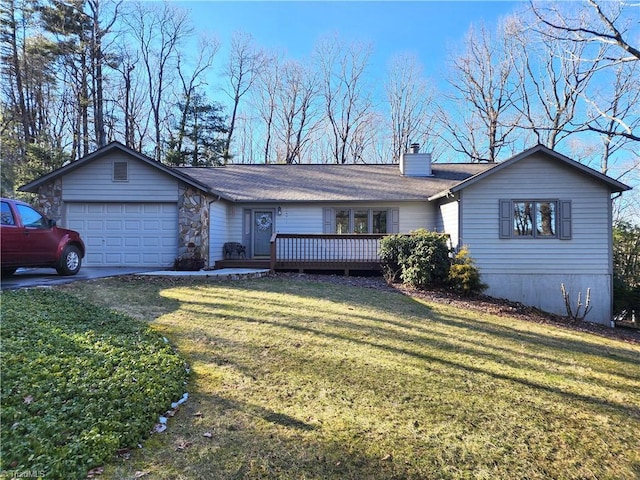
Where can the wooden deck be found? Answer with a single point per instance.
(311, 252)
(316, 252)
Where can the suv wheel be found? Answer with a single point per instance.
(70, 261)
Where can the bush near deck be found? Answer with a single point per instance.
(424, 259)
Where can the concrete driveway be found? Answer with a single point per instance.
(42, 277)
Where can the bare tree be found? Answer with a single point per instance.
(99, 30)
(125, 63)
(552, 77)
(481, 79)
(14, 21)
(608, 30)
(265, 101)
(605, 27)
(363, 137)
(295, 113)
(347, 102)
(68, 34)
(410, 101)
(245, 63)
(610, 27)
(247, 139)
(159, 33)
(619, 100)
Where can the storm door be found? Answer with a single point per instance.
(262, 231)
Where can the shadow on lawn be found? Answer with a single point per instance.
(476, 328)
(257, 411)
(226, 439)
(297, 446)
(442, 345)
(372, 301)
(469, 344)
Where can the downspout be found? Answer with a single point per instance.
(460, 223)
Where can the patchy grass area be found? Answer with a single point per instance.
(79, 382)
(313, 380)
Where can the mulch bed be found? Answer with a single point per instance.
(481, 303)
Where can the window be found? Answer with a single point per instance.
(342, 222)
(6, 215)
(31, 218)
(361, 220)
(535, 219)
(120, 172)
(379, 221)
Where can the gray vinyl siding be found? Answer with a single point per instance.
(94, 182)
(299, 219)
(219, 229)
(308, 218)
(531, 270)
(417, 215)
(294, 219)
(448, 220)
(587, 252)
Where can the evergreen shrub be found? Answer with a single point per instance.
(464, 276)
(420, 259)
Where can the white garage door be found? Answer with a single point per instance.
(126, 234)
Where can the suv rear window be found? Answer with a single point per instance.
(6, 216)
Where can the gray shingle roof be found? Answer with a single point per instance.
(328, 182)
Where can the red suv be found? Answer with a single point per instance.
(29, 239)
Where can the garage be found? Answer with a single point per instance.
(126, 234)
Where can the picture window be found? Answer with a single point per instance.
(344, 221)
(535, 219)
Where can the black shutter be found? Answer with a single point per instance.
(506, 226)
(246, 231)
(565, 220)
(395, 221)
(329, 224)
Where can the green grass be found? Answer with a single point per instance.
(312, 380)
(79, 382)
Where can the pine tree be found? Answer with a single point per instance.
(199, 138)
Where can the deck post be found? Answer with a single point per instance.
(272, 265)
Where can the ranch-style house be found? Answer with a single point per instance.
(531, 223)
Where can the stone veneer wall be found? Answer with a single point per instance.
(193, 222)
(50, 200)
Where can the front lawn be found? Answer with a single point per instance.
(79, 382)
(314, 380)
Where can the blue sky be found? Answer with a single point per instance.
(428, 28)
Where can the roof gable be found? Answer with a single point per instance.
(613, 184)
(102, 152)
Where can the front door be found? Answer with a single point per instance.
(262, 231)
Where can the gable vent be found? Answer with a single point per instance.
(120, 172)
